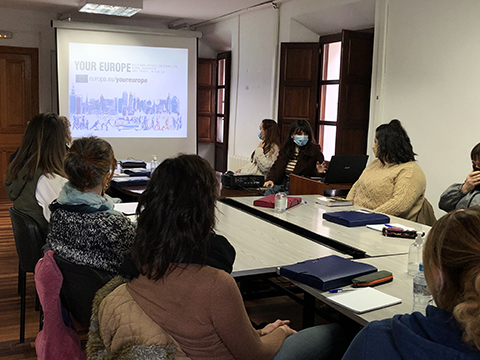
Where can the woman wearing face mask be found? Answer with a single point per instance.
(299, 155)
(463, 196)
(266, 153)
(393, 183)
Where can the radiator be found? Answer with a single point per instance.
(236, 162)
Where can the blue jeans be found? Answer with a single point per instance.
(320, 342)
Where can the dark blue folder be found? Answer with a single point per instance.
(356, 218)
(326, 273)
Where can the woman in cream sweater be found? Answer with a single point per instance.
(393, 183)
(266, 152)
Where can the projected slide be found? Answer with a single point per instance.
(127, 91)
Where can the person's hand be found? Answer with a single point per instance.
(323, 167)
(472, 180)
(272, 326)
(262, 144)
(268, 184)
(288, 330)
(237, 171)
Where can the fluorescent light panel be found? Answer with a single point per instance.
(111, 7)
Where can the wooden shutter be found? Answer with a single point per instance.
(354, 96)
(206, 92)
(298, 84)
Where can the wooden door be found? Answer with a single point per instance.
(298, 84)
(206, 95)
(354, 93)
(18, 100)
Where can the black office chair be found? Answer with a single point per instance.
(80, 283)
(28, 242)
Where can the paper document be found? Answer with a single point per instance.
(126, 208)
(364, 300)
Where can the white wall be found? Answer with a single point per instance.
(254, 60)
(431, 83)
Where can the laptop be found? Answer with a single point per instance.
(344, 169)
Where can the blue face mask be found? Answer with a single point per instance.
(300, 140)
(260, 135)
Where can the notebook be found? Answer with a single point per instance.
(356, 218)
(345, 169)
(364, 300)
(269, 201)
(129, 208)
(326, 273)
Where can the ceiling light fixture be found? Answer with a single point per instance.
(111, 7)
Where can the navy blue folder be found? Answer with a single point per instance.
(326, 273)
(356, 218)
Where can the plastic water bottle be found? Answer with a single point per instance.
(415, 252)
(280, 202)
(421, 293)
(153, 163)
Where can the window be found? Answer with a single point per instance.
(329, 92)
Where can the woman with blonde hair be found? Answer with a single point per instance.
(451, 330)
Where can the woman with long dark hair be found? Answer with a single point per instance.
(450, 330)
(266, 153)
(185, 287)
(299, 155)
(35, 175)
(393, 183)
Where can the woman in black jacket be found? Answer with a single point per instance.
(299, 155)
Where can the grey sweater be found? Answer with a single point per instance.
(97, 239)
(454, 198)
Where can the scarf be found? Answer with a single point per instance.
(75, 200)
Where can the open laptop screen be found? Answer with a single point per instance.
(345, 169)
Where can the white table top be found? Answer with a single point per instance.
(401, 287)
(309, 216)
(262, 246)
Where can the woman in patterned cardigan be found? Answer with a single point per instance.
(84, 227)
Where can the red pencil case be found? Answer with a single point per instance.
(269, 201)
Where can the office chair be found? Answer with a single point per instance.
(28, 242)
(80, 283)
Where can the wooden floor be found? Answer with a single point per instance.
(260, 311)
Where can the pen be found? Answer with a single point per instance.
(334, 291)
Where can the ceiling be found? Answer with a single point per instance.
(168, 11)
(355, 15)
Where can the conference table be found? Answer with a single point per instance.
(262, 247)
(401, 287)
(306, 219)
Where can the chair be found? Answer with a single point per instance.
(28, 242)
(80, 283)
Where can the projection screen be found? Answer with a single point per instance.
(134, 87)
